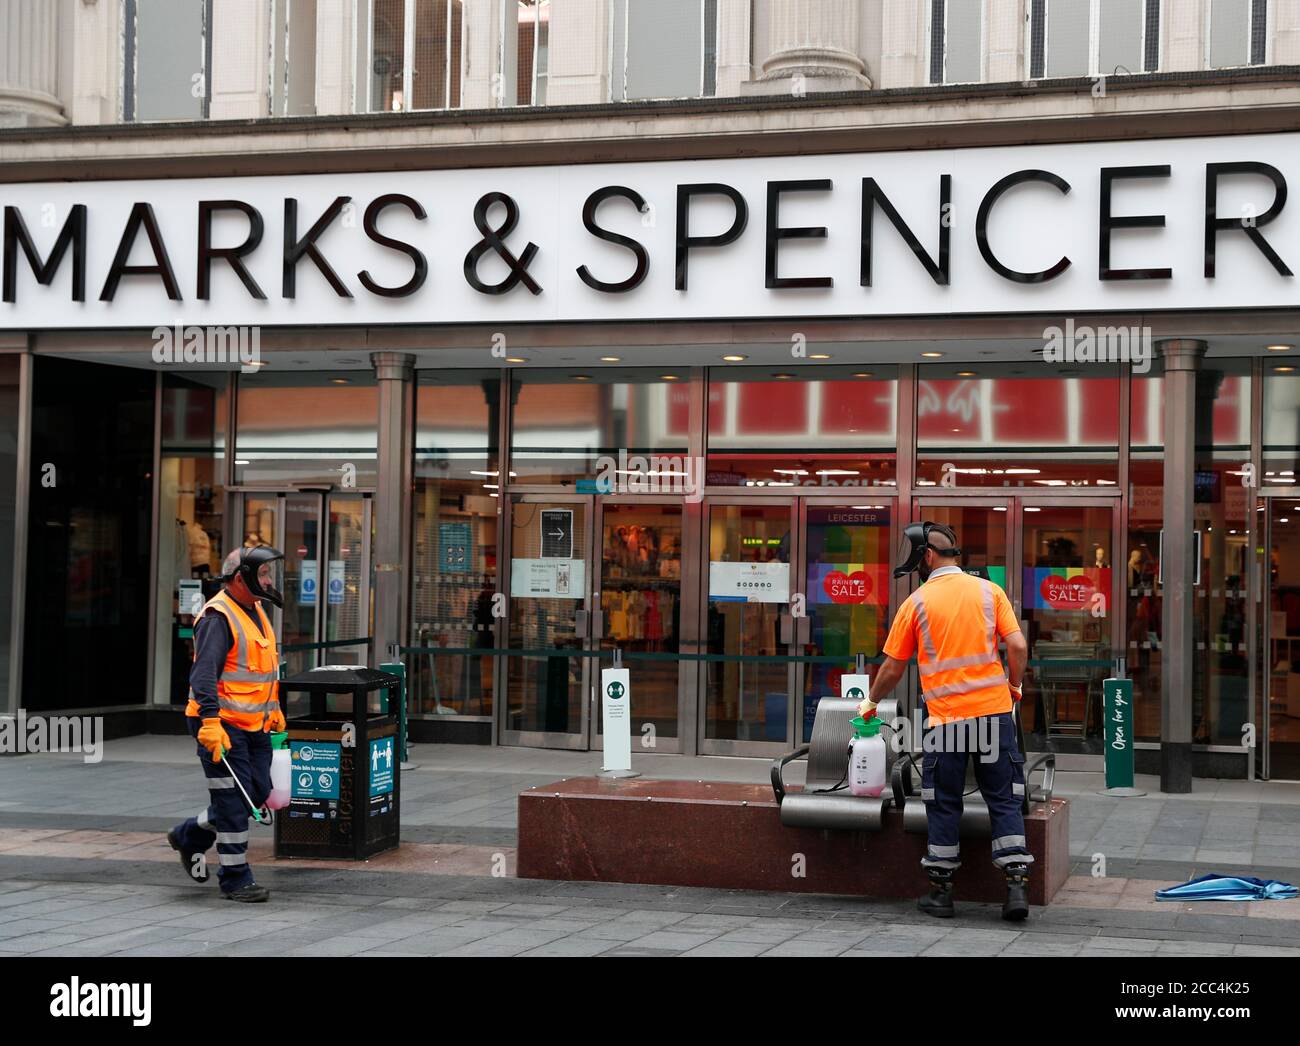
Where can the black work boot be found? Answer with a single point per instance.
(938, 902)
(196, 870)
(1016, 907)
(250, 894)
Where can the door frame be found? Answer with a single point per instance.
(722, 746)
(891, 501)
(1015, 501)
(685, 670)
(1261, 660)
(579, 740)
(322, 495)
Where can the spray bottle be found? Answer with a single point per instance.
(280, 772)
(866, 757)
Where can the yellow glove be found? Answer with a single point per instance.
(274, 723)
(866, 708)
(213, 737)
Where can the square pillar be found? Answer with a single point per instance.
(336, 68)
(241, 60)
(491, 75)
(579, 53)
(395, 375)
(1182, 360)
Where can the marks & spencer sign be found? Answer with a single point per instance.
(1180, 223)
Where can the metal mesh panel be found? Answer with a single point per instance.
(1067, 37)
(169, 50)
(1119, 37)
(963, 43)
(1229, 33)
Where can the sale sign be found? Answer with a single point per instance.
(847, 588)
(1064, 588)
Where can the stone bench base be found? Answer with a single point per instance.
(729, 836)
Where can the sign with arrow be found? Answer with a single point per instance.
(557, 533)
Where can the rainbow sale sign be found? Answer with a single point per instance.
(1064, 588)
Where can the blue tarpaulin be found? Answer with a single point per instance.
(1227, 888)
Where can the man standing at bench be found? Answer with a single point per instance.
(952, 624)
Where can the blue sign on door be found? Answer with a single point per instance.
(381, 766)
(315, 769)
(453, 547)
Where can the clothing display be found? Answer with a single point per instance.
(645, 614)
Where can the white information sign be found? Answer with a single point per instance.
(548, 578)
(616, 718)
(749, 582)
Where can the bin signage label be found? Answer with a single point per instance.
(315, 769)
(381, 766)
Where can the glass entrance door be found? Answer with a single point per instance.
(326, 584)
(639, 594)
(846, 563)
(748, 705)
(1068, 586)
(550, 614)
(1063, 591)
(1279, 739)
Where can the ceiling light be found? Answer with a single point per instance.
(791, 472)
(820, 356)
(783, 377)
(965, 374)
(863, 374)
(838, 472)
(735, 359)
(1003, 508)
(1279, 348)
(611, 359)
(932, 355)
(341, 381)
(668, 377)
(516, 359)
(580, 377)
(1030, 508)
(1283, 370)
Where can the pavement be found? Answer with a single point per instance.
(85, 871)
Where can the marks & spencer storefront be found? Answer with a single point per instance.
(674, 408)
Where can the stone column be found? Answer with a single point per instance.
(1285, 18)
(579, 53)
(734, 31)
(240, 73)
(1005, 36)
(812, 46)
(29, 65)
(336, 72)
(903, 44)
(395, 374)
(1182, 359)
(1183, 29)
(491, 76)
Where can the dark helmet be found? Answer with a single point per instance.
(248, 562)
(916, 539)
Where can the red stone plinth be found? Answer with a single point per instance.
(726, 835)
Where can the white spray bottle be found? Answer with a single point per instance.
(867, 757)
(280, 772)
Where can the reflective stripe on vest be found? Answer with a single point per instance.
(931, 666)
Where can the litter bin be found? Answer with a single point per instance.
(345, 777)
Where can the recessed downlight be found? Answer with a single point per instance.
(864, 374)
(820, 356)
(611, 359)
(932, 355)
(783, 377)
(1279, 348)
(735, 358)
(965, 374)
(669, 377)
(516, 359)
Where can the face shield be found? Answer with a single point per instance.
(262, 569)
(911, 552)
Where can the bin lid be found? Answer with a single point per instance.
(335, 678)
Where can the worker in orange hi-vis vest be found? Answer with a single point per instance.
(952, 624)
(234, 704)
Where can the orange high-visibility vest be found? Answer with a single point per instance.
(952, 623)
(247, 689)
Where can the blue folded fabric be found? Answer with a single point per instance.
(1228, 888)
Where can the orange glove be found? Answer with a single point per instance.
(274, 722)
(213, 737)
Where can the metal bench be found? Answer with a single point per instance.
(825, 801)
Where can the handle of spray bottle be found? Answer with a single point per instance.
(260, 814)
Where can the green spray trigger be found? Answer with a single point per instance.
(865, 727)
